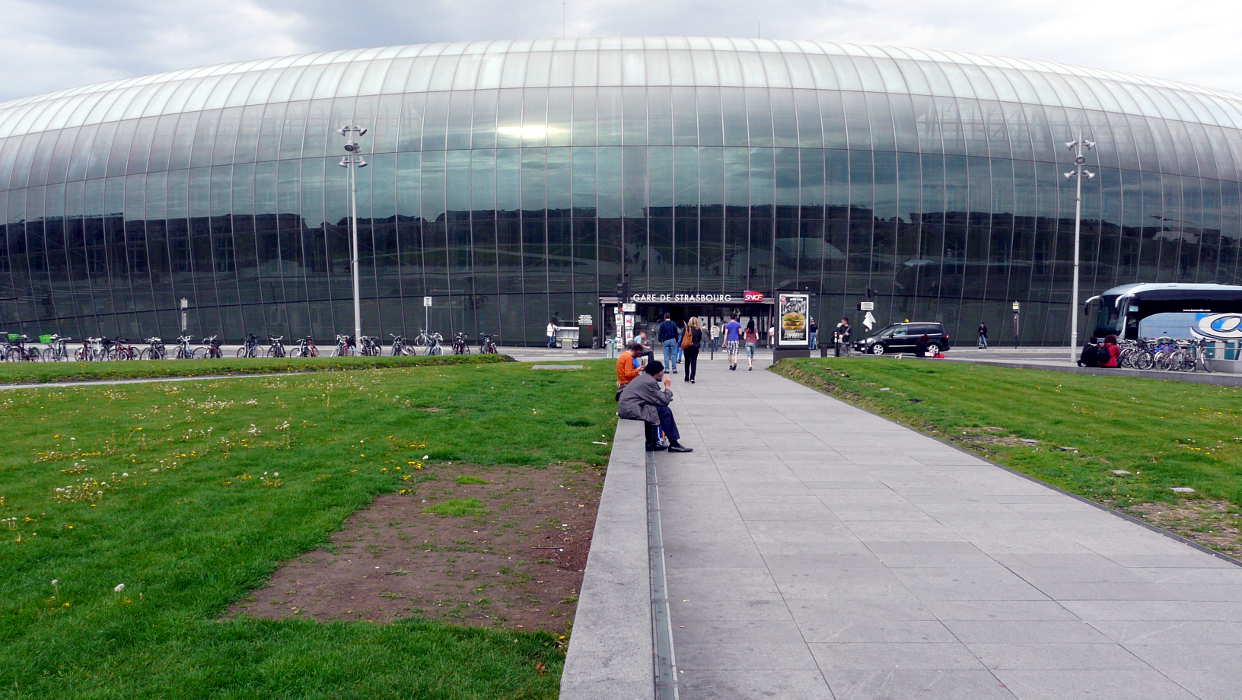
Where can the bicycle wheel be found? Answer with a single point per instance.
(200, 353)
(146, 354)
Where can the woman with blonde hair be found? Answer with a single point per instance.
(690, 345)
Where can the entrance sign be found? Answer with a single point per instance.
(686, 298)
(752, 296)
(791, 313)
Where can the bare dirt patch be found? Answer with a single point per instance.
(508, 552)
(1211, 523)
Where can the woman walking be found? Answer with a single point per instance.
(691, 345)
(752, 339)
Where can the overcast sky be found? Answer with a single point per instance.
(53, 44)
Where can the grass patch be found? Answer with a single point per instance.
(192, 493)
(457, 507)
(1070, 430)
(465, 479)
(45, 372)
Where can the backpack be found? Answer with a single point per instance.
(1101, 356)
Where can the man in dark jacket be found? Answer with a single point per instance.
(646, 398)
(668, 341)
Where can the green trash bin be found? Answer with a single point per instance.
(46, 338)
(15, 336)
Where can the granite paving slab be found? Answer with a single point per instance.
(815, 550)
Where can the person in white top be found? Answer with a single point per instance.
(551, 334)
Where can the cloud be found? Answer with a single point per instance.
(54, 45)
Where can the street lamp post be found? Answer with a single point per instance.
(352, 160)
(1078, 146)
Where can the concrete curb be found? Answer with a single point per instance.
(611, 649)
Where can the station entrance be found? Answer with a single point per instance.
(624, 319)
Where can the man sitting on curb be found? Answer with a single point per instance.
(646, 398)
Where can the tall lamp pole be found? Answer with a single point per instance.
(352, 160)
(1078, 146)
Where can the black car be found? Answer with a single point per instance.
(902, 337)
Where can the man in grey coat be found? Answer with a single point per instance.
(646, 398)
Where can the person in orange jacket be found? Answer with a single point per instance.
(627, 368)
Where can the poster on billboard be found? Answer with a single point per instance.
(792, 312)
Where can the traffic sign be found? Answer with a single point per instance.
(426, 301)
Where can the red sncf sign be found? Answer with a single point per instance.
(751, 296)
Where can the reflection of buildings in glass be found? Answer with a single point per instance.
(514, 181)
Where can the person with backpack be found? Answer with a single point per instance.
(1090, 356)
(983, 336)
(691, 343)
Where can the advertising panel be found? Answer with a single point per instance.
(792, 318)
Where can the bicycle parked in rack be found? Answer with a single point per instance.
(184, 352)
(210, 349)
(276, 346)
(398, 346)
(422, 340)
(343, 346)
(487, 344)
(122, 350)
(433, 347)
(57, 350)
(249, 346)
(459, 344)
(15, 350)
(154, 350)
(368, 347)
(306, 348)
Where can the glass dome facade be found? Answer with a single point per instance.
(517, 180)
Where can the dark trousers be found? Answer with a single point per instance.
(692, 361)
(667, 424)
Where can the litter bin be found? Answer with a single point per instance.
(611, 344)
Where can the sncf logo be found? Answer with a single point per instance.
(1220, 327)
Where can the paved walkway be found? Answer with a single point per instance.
(817, 551)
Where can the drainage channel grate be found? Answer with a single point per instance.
(665, 661)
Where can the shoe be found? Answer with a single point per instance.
(677, 447)
(750, 369)
(656, 448)
(693, 382)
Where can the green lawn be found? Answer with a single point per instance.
(1166, 433)
(43, 372)
(192, 493)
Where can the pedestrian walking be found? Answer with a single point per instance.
(771, 336)
(691, 343)
(983, 336)
(841, 336)
(681, 349)
(715, 337)
(551, 333)
(752, 339)
(668, 342)
(813, 330)
(732, 337)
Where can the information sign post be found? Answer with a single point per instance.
(427, 315)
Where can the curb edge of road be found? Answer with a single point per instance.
(1082, 499)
